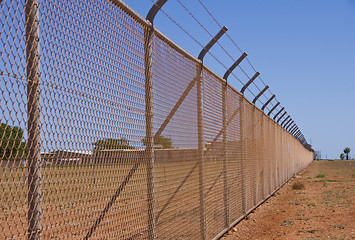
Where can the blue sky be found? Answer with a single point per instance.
(304, 50)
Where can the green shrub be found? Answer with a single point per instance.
(320, 175)
(297, 186)
(287, 223)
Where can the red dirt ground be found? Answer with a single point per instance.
(324, 209)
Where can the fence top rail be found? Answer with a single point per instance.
(129, 11)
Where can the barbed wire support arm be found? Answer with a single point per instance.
(278, 120)
(298, 133)
(292, 125)
(154, 10)
(294, 131)
(260, 93)
(235, 64)
(285, 120)
(267, 102)
(289, 124)
(278, 112)
(212, 42)
(249, 82)
(272, 109)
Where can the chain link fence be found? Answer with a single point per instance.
(109, 130)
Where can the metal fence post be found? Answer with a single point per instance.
(34, 121)
(225, 124)
(241, 129)
(148, 32)
(256, 167)
(263, 153)
(149, 130)
(200, 151)
(200, 127)
(225, 175)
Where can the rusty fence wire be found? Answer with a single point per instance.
(109, 130)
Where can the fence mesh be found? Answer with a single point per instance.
(111, 131)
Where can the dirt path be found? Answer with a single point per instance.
(324, 209)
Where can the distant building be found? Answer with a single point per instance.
(66, 157)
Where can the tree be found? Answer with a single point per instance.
(342, 156)
(161, 140)
(108, 143)
(12, 145)
(112, 143)
(347, 151)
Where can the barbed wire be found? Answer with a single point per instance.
(177, 24)
(190, 35)
(209, 52)
(234, 43)
(278, 108)
(247, 58)
(203, 27)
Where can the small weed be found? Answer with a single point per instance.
(320, 175)
(297, 203)
(287, 223)
(332, 180)
(312, 204)
(297, 186)
(338, 226)
(309, 238)
(324, 184)
(309, 177)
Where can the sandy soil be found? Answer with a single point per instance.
(324, 209)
